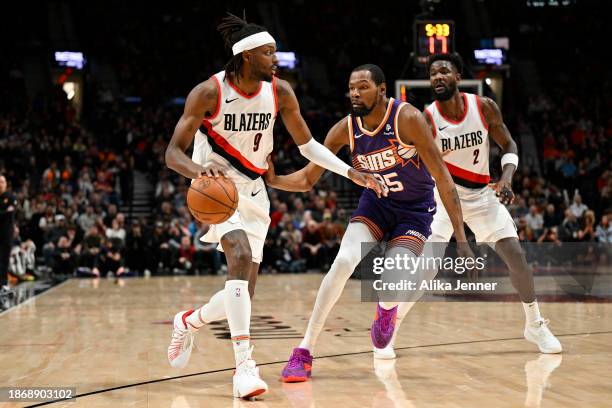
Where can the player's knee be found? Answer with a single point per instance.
(242, 258)
(344, 265)
(512, 254)
(238, 253)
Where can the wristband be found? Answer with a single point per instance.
(509, 158)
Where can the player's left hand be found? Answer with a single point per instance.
(503, 190)
(270, 175)
(368, 180)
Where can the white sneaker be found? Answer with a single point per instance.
(537, 332)
(247, 382)
(181, 344)
(387, 353)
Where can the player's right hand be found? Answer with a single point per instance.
(212, 170)
(368, 180)
(270, 174)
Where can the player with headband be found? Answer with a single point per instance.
(231, 116)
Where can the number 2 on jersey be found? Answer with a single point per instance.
(387, 179)
(256, 142)
(476, 153)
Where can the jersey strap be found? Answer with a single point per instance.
(222, 147)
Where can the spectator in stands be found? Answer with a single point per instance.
(291, 235)
(331, 234)
(111, 213)
(587, 233)
(89, 260)
(22, 259)
(64, 259)
(317, 209)
(111, 260)
(578, 208)
(161, 254)
(297, 214)
(85, 185)
(604, 230)
(136, 248)
(74, 236)
(47, 222)
(550, 235)
(87, 219)
(52, 174)
(569, 227)
(312, 249)
(277, 214)
(207, 258)
(535, 221)
(186, 255)
(116, 232)
(164, 188)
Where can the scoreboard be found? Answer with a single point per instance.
(433, 37)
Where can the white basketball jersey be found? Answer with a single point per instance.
(239, 132)
(464, 144)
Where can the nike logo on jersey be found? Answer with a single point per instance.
(441, 128)
(254, 194)
(431, 209)
(230, 100)
(462, 141)
(358, 135)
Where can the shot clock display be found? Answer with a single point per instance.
(433, 37)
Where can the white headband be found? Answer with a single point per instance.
(252, 41)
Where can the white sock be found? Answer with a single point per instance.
(238, 310)
(532, 311)
(347, 259)
(388, 305)
(210, 312)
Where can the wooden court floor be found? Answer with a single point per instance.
(108, 339)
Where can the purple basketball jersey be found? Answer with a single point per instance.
(404, 217)
(397, 164)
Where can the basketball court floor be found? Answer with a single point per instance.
(108, 339)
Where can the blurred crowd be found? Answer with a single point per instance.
(73, 175)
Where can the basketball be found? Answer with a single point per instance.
(212, 200)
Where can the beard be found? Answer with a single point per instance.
(261, 75)
(445, 95)
(362, 111)
(265, 77)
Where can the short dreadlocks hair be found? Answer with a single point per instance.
(234, 29)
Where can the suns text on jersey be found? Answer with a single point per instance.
(379, 160)
(462, 141)
(242, 122)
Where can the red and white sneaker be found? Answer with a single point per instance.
(247, 382)
(181, 344)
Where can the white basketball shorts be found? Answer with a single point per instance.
(482, 211)
(252, 216)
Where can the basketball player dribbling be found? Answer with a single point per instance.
(232, 116)
(390, 139)
(462, 124)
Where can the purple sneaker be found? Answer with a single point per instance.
(298, 367)
(383, 326)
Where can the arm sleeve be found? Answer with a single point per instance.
(322, 156)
